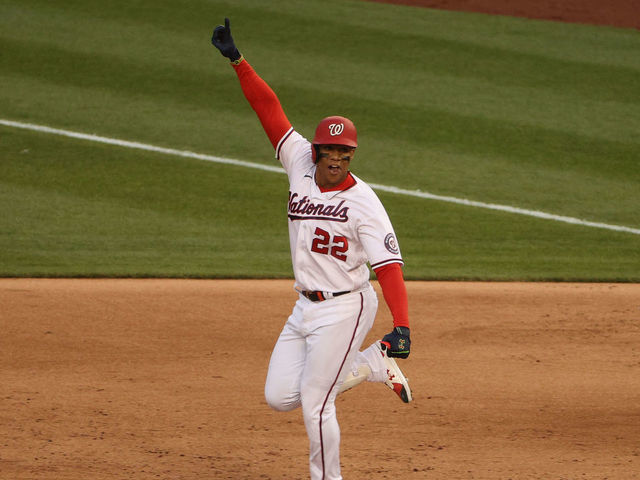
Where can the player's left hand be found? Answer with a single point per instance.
(223, 41)
(398, 342)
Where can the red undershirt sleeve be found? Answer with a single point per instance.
(394, 292)
(264, 102)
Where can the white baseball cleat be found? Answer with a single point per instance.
(396, 381)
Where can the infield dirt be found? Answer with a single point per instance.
(147, 379)
(616, 13)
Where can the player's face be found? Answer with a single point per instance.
(333, 164)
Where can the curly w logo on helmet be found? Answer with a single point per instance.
(336, 129)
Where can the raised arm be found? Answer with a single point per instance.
(260, 96)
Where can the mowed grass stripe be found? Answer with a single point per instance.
(540, 115)
(513, 112)
(386, 188)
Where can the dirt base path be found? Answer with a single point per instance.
(616, 13)
(147, 379)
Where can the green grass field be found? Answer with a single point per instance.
(532, 114)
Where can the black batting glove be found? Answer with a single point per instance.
(223, 41)
(398, 342)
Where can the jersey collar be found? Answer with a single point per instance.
(347, 184)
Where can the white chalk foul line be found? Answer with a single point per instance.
(137, 145)
(384, 188)
(506, 208)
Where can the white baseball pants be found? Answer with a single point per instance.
(311, 358)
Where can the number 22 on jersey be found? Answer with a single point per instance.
(324, 244)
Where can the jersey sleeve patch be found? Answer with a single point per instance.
(391, 244)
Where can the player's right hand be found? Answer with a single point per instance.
(223, 41)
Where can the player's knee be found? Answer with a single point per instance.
(281, 401)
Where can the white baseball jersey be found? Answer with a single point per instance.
(332, 234)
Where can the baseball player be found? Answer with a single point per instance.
(337, 225)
